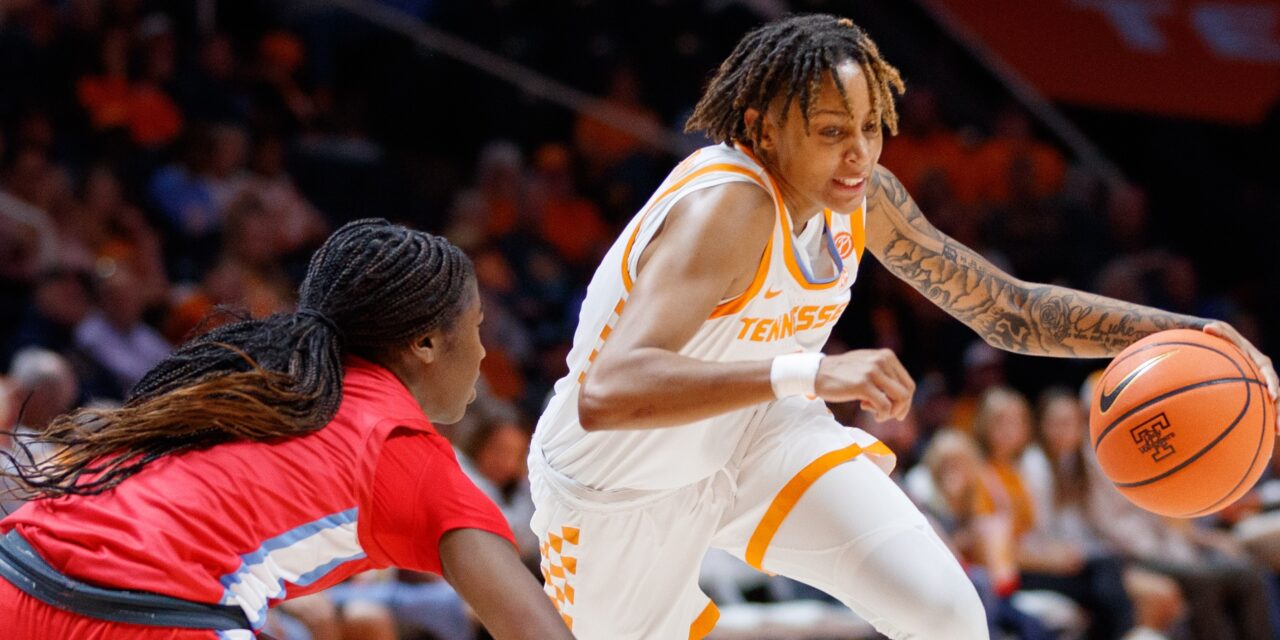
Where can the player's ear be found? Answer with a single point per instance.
(425, 347)
(752, 118)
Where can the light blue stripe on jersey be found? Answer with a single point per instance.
(299, 556)
(831, 249)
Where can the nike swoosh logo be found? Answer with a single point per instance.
(772, 293)
(1109, 398)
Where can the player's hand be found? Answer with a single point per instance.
(1229, 333)
(873, 376)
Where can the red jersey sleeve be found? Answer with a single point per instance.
(418, 494)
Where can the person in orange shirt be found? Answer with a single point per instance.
(604, 146)
(1011, 150)
(113, 100)
(1003, 428)
(568, 222)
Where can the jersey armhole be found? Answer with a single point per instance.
(643, 233)
(739, 302)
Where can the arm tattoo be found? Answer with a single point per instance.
(1008, 313)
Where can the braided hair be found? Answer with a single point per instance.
(369, 289)
(788, 59)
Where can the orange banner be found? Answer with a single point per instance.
(1207, 59)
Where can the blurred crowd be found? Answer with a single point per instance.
(166, 169)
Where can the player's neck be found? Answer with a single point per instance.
(800, 209)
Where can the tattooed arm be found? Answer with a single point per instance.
(1008, 313)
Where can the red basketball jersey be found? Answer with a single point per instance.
(249, 524)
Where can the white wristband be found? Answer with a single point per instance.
(795, 374)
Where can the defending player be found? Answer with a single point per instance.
(223, 487)
(693, 416)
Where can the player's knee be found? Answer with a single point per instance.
(951, 609)
(947, 607)
(923, 602)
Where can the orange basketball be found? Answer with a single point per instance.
(1182, 424)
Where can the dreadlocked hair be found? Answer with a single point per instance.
(789, 59)
(371, 288)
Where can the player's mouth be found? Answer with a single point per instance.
(850, 187)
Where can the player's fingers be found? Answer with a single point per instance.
(1220, 329)
(894, 367)
(899, 395)
(1273, 382)
(1268, 371)
(876, 400)
(1229, 333)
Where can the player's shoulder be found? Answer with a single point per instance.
(736, 184)
(722, 223)
(723, 160)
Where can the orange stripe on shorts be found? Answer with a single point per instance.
(787, 498)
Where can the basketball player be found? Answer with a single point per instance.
(693, 413)
(270, 459)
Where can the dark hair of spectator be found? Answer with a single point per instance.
(370, 289)
(1070, 476)
(788, 59)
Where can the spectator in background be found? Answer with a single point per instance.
(114, 337)
(948, 487)
(62, 298)
(27, 175)
(493, 446)
(114, 101)
(605, 147)
(298, 225)
(229, 152)
(1003, 429)
(1023, 221)
(1064, 484)
(1012, 163)
(926, 149)
(619, 165)
(53, 193)
(281, 102)
(566, 221)
(21, 243)
(1228, 597)
(500, 184)
(181, 191)
(210, 92)
(468, 218)
(374, 605)
(1128, 219)
(984, 368)
(248, 273)
(109, 228)
(41, 386)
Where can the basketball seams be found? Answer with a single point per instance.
(1197, 345)
(1187, 344)
(1262, 435)
(1162, 397)
(1248, 398)
(1103, 381)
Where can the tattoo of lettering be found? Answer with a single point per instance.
(1010, 314)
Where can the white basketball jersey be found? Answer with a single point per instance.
(789, 307)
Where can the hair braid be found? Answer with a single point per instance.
(788, 59)
(370, 287)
